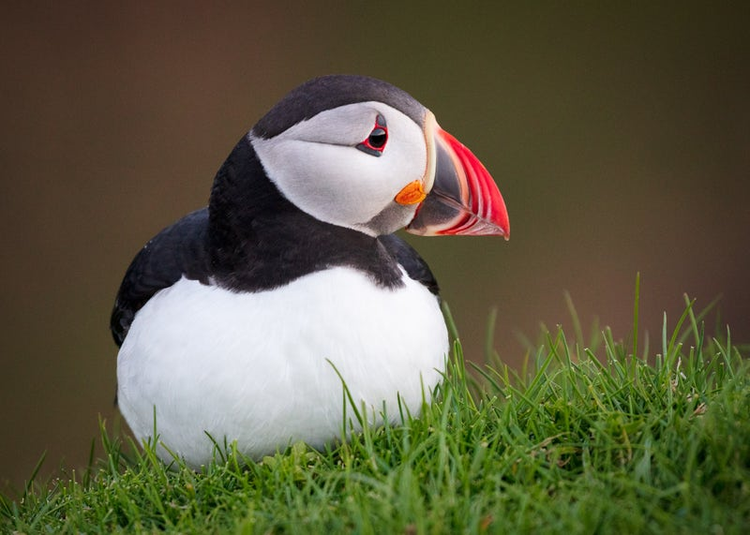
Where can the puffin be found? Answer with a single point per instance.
(256, 320)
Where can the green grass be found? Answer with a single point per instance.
(585, 439)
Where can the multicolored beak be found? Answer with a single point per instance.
(463, 200)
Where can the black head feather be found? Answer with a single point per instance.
(328, 92)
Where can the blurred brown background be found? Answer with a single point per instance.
(619, 135)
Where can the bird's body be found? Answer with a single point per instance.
(274, 379)
(283, 344)
(241, 320)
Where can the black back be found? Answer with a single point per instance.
(178, 250)
(250, 239)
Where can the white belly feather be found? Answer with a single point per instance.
(253, 367)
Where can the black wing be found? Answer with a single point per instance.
(180, 249)
(415, 266)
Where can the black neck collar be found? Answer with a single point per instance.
(259, 240)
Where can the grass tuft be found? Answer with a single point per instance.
(586, 439)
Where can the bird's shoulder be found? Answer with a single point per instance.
(411, 261)
(179, 250)
(183, 249)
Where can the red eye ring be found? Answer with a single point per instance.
(378, 138)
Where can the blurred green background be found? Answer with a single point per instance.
(619, 134)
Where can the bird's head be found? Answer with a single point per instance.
(360, 153)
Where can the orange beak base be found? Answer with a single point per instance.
(412, 193)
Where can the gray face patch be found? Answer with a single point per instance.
(392, 218)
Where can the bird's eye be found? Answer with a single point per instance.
(375, 142)
(377, 138)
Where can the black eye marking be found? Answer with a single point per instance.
(375, 142)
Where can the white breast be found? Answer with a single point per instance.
(254, 367)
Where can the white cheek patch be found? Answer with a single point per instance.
(334, 127)
(342, 194)
(316, 165)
